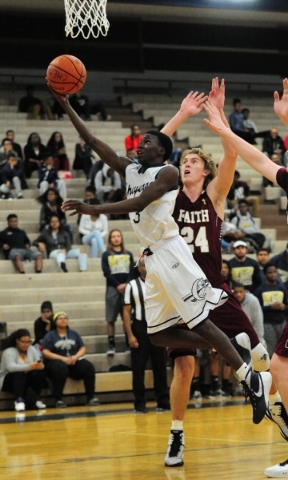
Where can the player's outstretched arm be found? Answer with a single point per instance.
(247, 152)
(217, 97)
(191, 105)
(105, 152)
(167, 180)
(281, 106)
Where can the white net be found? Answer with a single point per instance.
(87, 17)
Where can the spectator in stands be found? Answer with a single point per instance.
(280, 261)
(117, 266)
(55, 242)
(83, 157)
(107, 182)
(81, 105)
(96, 167)
(16, 147)
(273, 143)
(22, 371)
(33, 106)
(226, 272)
(48, 177)
(132, 141)
(99, 108)
(244, 221)
(141, 347)
(252, 308)
(90, 194)
(244, 270)
(57, 148)
(251, 126)
(43, 324)
(63, 350)
(12, 176)
(5, 150)
(16, 246)
(275, 157)
(273, 298)
(236, 121)
(94, 229)
(51, 205)
(34, 152)
(263, 257)
(240, 190)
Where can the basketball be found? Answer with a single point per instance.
(66, 74)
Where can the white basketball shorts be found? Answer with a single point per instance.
(176, 287)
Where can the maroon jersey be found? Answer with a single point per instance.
(201, 228)
(282, 345)
(282, 180)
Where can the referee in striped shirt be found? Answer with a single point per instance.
(141, 346)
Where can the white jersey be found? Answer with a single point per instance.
(155, 222)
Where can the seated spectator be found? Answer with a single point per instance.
(90, 195)
(34, 152)
(94, 229)
(141, 347)
(63, 351)
(48, 177)
(226, 273)
(280, 261)
(99, 108)
(96, 167)
(55, 242)
(273, 143)
(251, 126)
(263, 257)
(273, 298)
(12, 176)
(51, 205)
(244, 270)
(33, 106)
(236, 120)
(83, 157)
(15, 146)
(251, 306)
(43, 324)
(240, 190)
(5, 150)
(244, 221)
(81, 104)
(22, 371)
(57, 148)
(107, 182)
(132, 141)
(16, 246)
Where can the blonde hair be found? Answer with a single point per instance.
(209, 164)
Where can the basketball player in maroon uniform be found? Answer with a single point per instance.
(278, 175)
(199, 210)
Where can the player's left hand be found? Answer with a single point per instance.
(217, 94)
(193, 103)
(215, 122)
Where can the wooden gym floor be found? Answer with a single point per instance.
(110, 442)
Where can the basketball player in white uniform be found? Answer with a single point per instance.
(176, 287)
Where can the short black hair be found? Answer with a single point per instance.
(11, 215)
(238, 285)
(267, 265)
(11, 154)
(236, 100)
(164, 141)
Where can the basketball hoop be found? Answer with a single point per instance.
(86, 17)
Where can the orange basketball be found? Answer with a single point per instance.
(66, 74)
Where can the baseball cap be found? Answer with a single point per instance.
(239, 243)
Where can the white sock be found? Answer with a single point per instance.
(244, 373)
(274, 398)
(177, 425)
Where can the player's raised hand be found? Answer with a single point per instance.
(215, 122)
(75, 206)
(217, 94)
(62, 99)
(281, 106)
(193, 103)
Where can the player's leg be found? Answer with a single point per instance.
(179, 397)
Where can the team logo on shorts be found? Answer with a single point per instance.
(198, 290)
